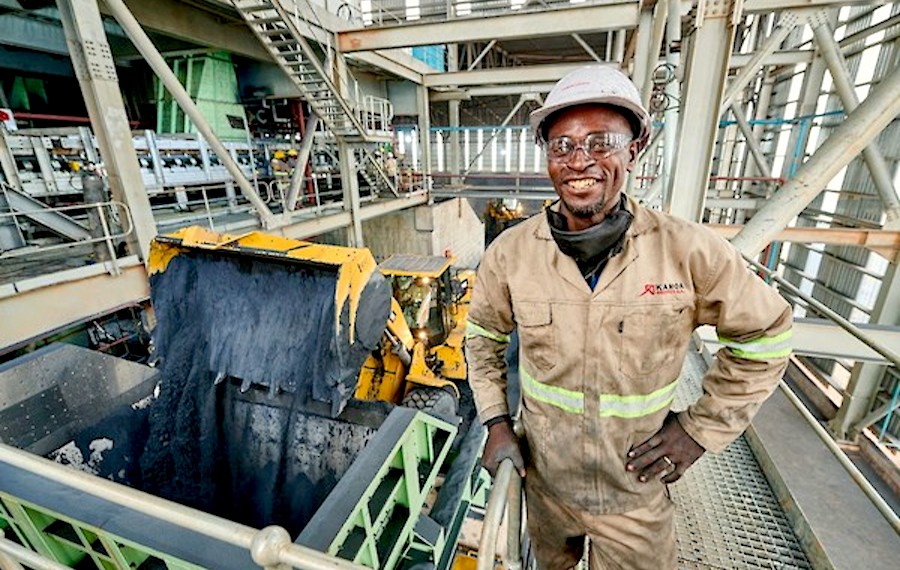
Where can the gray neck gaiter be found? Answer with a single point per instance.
(591, 248)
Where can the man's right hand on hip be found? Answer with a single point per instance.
(502, 444)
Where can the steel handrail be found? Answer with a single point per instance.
(12, 553)
(506, 480)
(106, 237)
(269, 547)
(858, 477)
(854, 472)
(872, 343)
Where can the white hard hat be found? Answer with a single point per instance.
(595, 84)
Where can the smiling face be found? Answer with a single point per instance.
(589, 188)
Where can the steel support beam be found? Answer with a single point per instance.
(760, 112)
(330, 222)
(7, 161)
(509, 75)
(496, 131)
(424, 134)
(580, 19)
(640, 70)
(748, 71)
(48, 303)
(454, 154)
(843, 84)
(350, 189)
(395, 62)
(844, 144)
(541, 78)
(776, 59)
(486, 50)
(822, 338)
(767, 6)
(885, 243)
(468, 93)
(750, 138)
(706, 68)
(866, 378)
(96, 72)
(587, 48)
(671, 114)
(809, 98)
(181, 20)
(299, 175)
(179, 93)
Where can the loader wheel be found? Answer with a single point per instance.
(432, 400)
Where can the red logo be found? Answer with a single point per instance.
(4, 116)
(663, 289)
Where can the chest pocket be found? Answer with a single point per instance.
(654, 340)
(537, 334)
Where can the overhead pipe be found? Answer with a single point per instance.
(140, 40)
(843, 145)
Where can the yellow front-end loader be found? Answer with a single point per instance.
(421, 357)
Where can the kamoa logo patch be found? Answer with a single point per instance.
(676, 288)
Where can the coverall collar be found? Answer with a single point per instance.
(567, 267)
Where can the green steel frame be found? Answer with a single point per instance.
(400, 503)
(374, 516)
(74, 543)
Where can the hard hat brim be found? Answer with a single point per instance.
(537, 117)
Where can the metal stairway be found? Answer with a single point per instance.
(276, 29)
(373, 173)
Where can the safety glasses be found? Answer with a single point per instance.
(596, 145)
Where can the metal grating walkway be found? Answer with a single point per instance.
(727, 517)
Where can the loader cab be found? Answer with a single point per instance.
(421, 285)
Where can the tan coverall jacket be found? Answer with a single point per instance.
(598, 369)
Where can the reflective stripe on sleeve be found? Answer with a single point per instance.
(636, 406)
(473, 330)
(568, 400)
(762, 348)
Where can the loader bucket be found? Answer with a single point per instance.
(260, 340)
(289, 315)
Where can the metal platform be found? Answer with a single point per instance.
(727, 515)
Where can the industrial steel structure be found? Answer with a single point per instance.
(775, 122)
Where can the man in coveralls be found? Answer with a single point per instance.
(605, 295)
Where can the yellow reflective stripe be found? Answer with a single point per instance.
(473, 330)
(636, 406)
(763, 348)
(568, 400)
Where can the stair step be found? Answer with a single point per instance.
(283, 43)
(267, 20)
(274, 32)
(251, 7)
